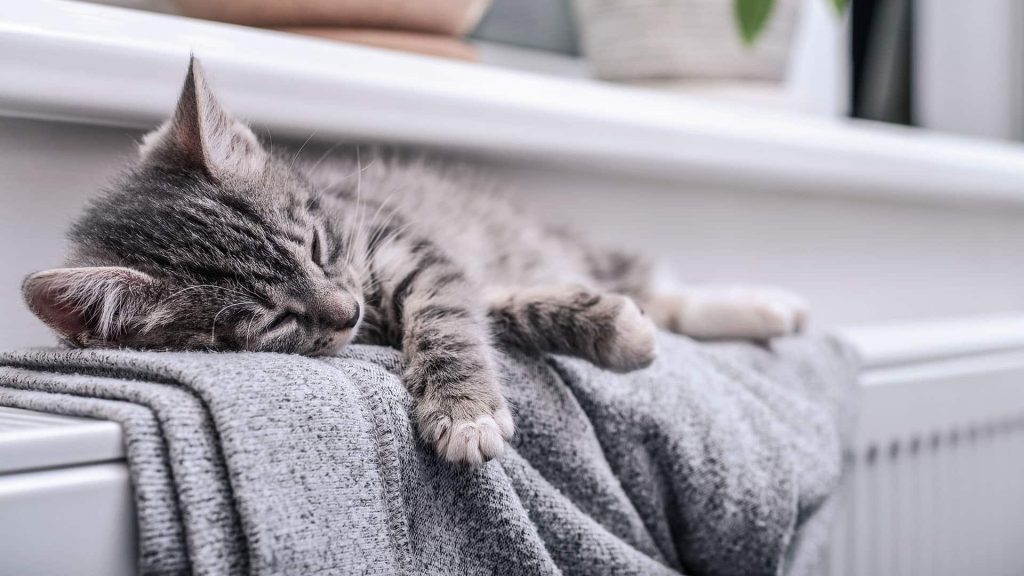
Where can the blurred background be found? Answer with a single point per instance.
(944, 65)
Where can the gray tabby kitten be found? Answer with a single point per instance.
(211, 242)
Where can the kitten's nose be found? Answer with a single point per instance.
(336, 309)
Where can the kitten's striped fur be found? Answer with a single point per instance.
(213, 242)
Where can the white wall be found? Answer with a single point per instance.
(47, 171)
(969, 67)
(857, 261)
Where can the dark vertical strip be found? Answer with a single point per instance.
(882, 54)
(862, 13)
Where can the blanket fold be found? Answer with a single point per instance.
(716, 460)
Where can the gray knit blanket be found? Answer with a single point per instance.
(716, 460)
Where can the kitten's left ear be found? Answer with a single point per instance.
(203, 135)
(89, 305)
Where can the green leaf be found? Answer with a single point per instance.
(752, 15)
(840, 6)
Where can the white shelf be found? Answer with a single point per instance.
(90, 63)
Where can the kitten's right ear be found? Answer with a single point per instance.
(202, 135)
(88, 305)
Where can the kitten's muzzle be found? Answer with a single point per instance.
(336, 310)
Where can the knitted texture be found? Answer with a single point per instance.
(716, 460)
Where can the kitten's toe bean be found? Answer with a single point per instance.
(632, 342)
(470, 441)
(474, 442)
(440, 433)
(505, 423)
(778, 313)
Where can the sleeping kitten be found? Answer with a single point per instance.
(211, 242)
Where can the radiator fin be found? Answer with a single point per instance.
(948, 503)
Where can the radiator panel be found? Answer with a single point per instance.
(935, 482)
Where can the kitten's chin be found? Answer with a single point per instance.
(336, 344)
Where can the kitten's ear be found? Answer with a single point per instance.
(86, 305)
(202, 134)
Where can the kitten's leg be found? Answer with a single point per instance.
(608, 329)
(701, 312)
(451, 374)
(728, 312)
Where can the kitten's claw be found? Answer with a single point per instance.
(472, 441)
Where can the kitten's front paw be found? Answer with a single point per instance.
(632, 342)
(467, 439)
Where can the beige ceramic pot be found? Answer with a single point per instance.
(450, 17)
(415, 42)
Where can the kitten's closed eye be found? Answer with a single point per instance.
(316, 249)
(282, 320)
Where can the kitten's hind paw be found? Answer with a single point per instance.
(780, 314)
(470, 441)
(752, 313)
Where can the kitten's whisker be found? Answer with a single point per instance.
(249, 331)
(331, 150)
(359, 188)
(390, 238)
(379, 242)
(249, 291)
(301, 148)
(195, 286)
(359, 171)
(183, 290)
(381, 207)
(382, 263)
(270, 139)
(359, 228)
(359, 206)
(213, 327)
(378, 235)
(324, 156)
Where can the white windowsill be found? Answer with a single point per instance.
(90, 63)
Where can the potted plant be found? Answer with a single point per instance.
(693, 39)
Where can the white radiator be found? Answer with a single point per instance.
(936, 477)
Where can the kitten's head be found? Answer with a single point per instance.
(208, 242)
